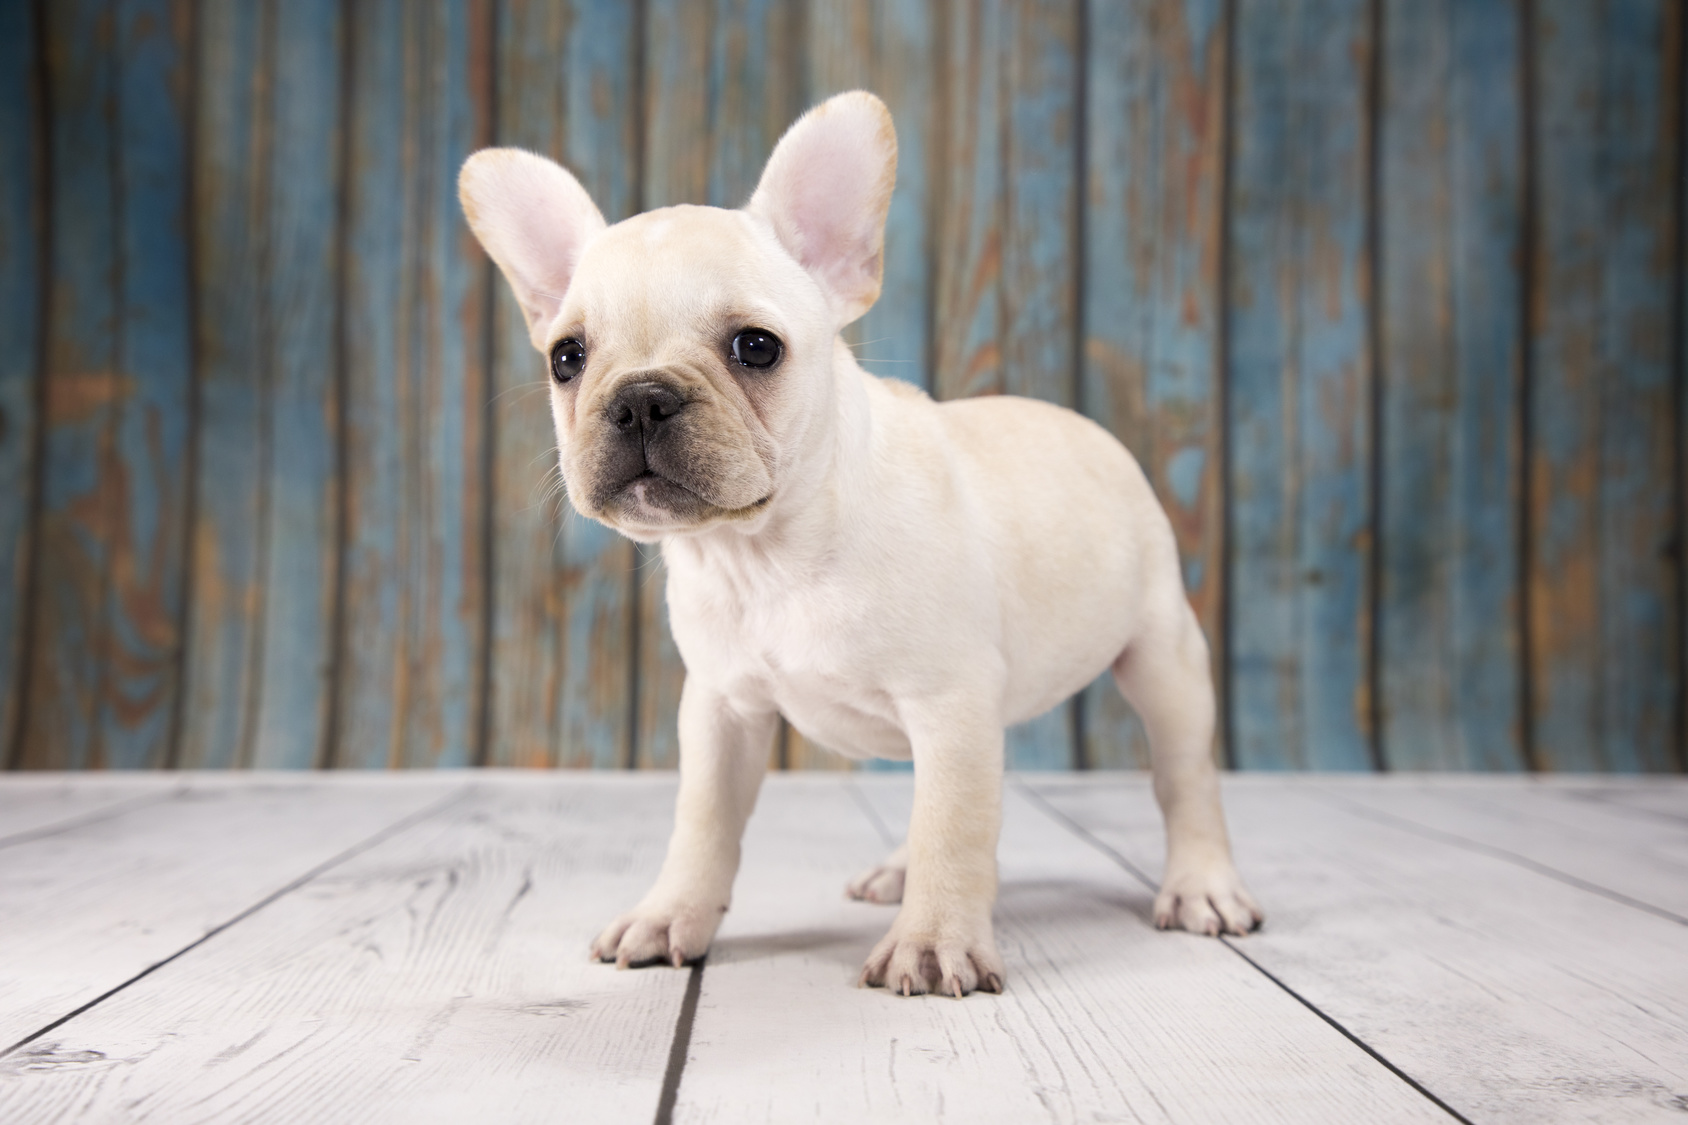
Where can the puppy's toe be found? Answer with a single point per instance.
(883, 884)
(649, 936)
(946, 960)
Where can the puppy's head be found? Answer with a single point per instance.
(690, 349)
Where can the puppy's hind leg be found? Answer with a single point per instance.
(884, 883)
(1164, 675)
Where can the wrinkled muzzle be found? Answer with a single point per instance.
(657, 453)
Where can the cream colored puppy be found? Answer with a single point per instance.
(898, 577)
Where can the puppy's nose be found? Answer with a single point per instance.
(644, 406)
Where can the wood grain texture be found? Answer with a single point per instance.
(88, 908)
(22, 200)
(301, 539)
(35, 804)
(1451, 231)
(437, 976)
(410, 665)
(885, 46)
(1506, 993)
(1601, 844)
(722, 82)
(1103, 1017)
(231, 163)
(1298, 399)
(1154, 158)
(1604, 556)
(103, 679)
(562, 615)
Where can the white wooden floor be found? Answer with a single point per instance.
(186, 948)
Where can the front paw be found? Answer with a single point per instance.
(945, 955)
(674, 933)
(1206, 898)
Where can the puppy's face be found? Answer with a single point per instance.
(690, 348)
(686, 360)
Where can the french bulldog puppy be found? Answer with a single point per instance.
(897, 577)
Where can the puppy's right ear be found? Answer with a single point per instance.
(534, 219)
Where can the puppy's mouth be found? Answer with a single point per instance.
(649, 499)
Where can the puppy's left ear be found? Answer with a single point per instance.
(826, 190)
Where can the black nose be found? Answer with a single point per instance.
(644, 406)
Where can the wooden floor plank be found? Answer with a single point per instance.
(1104, 1018)
(439, 976)
(82, 911)
(31, 804)
(1508, 994)
(1601, 844)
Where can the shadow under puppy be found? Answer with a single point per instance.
(898, 577)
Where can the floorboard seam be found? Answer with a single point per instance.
(879, 826)
(1141, 876)
(1426, 832)
(681, 1046)
(326, 865)
(93, 816)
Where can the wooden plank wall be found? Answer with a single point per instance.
(1386, 295)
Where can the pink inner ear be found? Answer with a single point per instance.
(826, 190)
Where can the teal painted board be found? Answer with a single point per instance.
(1155, 149)
(20, 342)
(224, 623)
(722, 82)
(1603, 568)
(410, 660)
(301, 539)
(993, 99)
(1450, 300)
(1298, 396)
(1040, 258)
(83, 388)
(562, 592)
(150, 443)
(967, 189)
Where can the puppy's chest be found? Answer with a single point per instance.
(812, 652)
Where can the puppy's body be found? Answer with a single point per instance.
(942, 545)
(898, 577)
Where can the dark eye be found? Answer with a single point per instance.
(568, 359)
(756, 348)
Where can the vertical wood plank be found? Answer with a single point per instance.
(301, 540)
(722, 82)
(885, 46)
(1005, 311)
(149, 497)
(1451, 170)
(1603, 564)
(416, 390)
(21, 208)
(562, 611)
(104, 675)
(224, 621)
(1155, 147)
(1299, 387)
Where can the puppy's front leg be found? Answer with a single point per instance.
(942, 940)
(723, 755)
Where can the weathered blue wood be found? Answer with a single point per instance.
(562, 592)
(1298, 399)
(84, 387)
(150, 494)
(722, 83)
(1155, 144)
(301, 539)
(1451, 224)
(1040, 257)
(21, 199)
(416, 391)
(224, 622)
(1603, 507)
